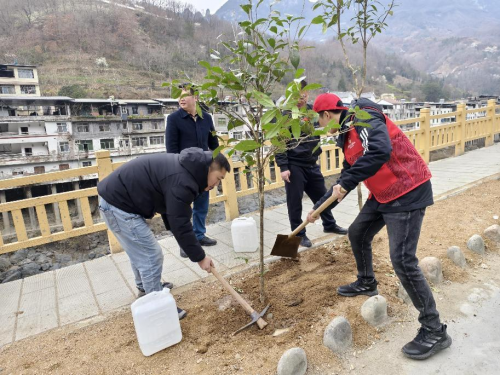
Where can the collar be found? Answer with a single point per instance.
(185, 114)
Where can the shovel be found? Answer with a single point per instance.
(288, 246)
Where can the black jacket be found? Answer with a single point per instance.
(162, 183)
(183, 132)
(378, 150)
(300, 154)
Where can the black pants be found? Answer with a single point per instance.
(311, 181)
(403, 229)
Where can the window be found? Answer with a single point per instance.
(28, 89)
(104, 128)
(160, 140)
(7, 89)
(139, 141)
(82, 128)
(124, 143)
(221, 121)
(84, 145)
(63, 167)
(28, 151)
(17, 173)
(86, 163)
(137, 126)
(156, 126)
(237, 135)
(40, 169)
(135, 110)
(25, 73)
(63, 146)
(62, 127)
(24, 130)
(124, 110)
(107, 144)
(124, 125)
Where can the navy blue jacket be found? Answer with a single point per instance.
(183, 132)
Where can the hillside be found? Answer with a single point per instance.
(452, 40)
(147, 43)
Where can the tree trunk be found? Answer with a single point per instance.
(360, 197)
(261, 182)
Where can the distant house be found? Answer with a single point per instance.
(19, 80)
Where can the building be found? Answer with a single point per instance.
(19, 80)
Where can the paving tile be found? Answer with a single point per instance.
(38, 282)
(71, 271)
(68, 286)
(115, 298)
(29, 325)
(230, 261)
(36, 302)
(106, 281)
(215, 229)
(10, 294)
(120, 257)
(77, 307)
(181, 277)
(100, 266)
(169, 243)
(7, 325)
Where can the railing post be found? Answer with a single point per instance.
(104, 169)
(229, 189)
(461, 134)
(425, 127)
(490, 139)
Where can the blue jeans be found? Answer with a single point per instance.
(200, 212)
(403, 229)
(136, 238)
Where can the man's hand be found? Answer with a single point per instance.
(338, 192)
(206, 264)
(285, 176)
(310, 217)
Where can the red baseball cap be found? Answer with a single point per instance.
(328, 102)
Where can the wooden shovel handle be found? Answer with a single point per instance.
(318, 211)
(249, 309)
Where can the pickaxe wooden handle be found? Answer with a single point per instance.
(249, 309)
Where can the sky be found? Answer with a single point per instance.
(213, 5)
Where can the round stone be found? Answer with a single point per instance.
(338, 335)
(476, 244)
(432, 269)
(293, 362)
(493, 233)
(374, 310)
(403, 294)
(457, 256)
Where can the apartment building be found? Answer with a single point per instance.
(19, 80)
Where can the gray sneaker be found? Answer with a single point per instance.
(142, 292)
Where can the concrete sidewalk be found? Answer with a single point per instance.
(94, 288)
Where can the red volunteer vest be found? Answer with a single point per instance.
(404, 171)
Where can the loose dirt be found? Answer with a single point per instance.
(302, 296)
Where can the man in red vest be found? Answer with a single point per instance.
(398, 178)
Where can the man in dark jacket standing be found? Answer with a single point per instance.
(165, 184)
(398, 178)
(301, 173)
(186, 129)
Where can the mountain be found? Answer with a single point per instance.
(453, 40)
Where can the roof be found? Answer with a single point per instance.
(384, 102)
(30, 100)
(94, 101)
(139, 101)
(18, 65)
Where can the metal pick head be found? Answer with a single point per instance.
(255, 316)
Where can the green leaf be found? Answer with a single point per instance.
(299, 73)
(247, 145)
(296, 129)
(273, 131)
(176, 92)
(198, 110)
(363, 115)
(246, 8)
(273, 29)
(317, 20)
(218, 150)
(365, 124)
(302, 30)
(295, 59)
(263, 99)
(271, 42)
(234, 123)
(268, 116)
(313, 86)
(205, 64)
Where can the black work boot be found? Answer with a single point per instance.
(142, 292)
(427, 343)
(358, 288)
(336, 229)
(206, 241)
(305, 242)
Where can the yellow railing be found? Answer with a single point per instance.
(235, 185)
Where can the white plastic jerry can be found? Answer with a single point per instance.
(156, 321)
(244, 234)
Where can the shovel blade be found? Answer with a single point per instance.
(286, 246)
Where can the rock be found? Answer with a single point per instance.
(338, 335)
(225, 303)
(476, 244)
(91, 255)
(493, 233)
(5, 264)
(30, 269)
(46, 266)
(18, 256)
(14, 273)
(269, 316)
(403, 294)
(374, 310)
(293, 362)
(63, 258)
(432, 269)
(41, 259)
(280, 332)
(55, 266)
(457, 257)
